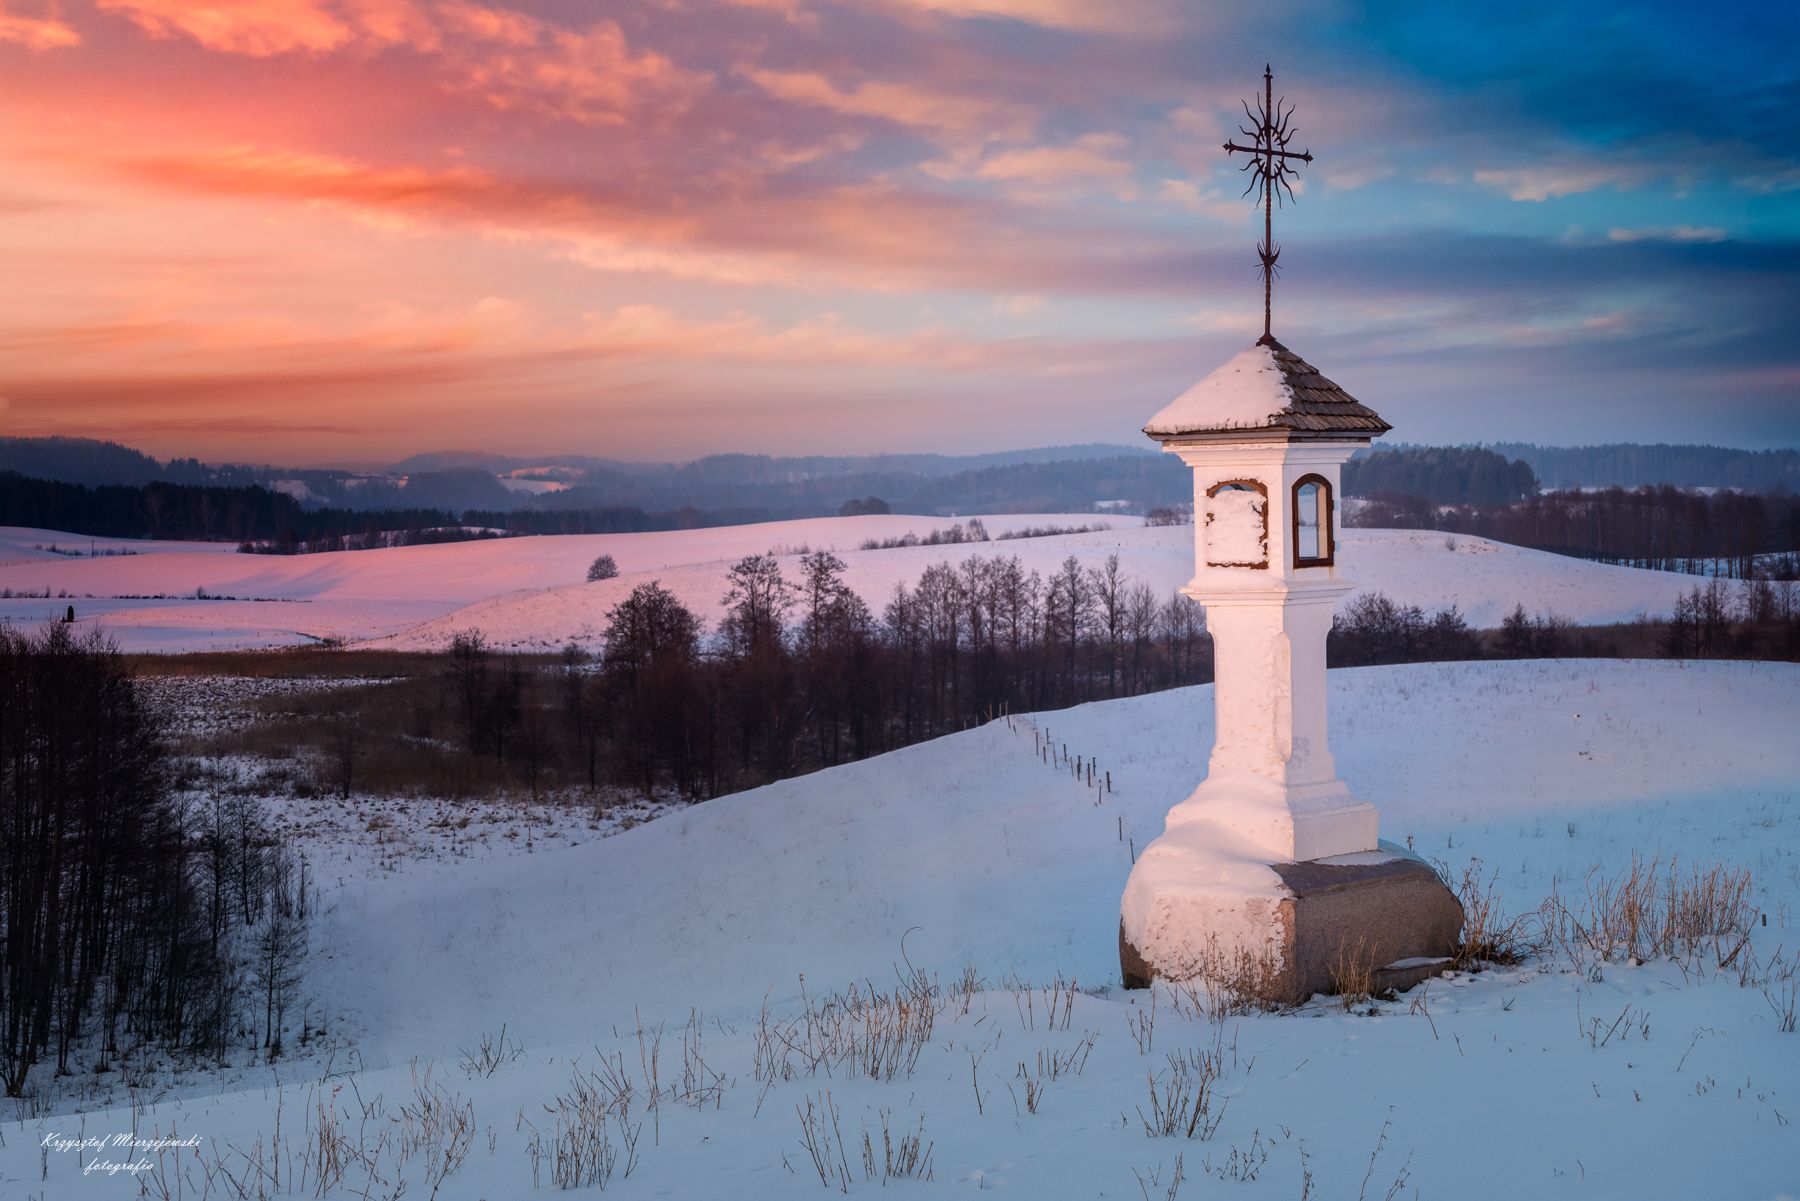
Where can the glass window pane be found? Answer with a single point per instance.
(1306, 508)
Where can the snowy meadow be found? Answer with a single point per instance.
(900, 972)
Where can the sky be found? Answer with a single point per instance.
(345, 231)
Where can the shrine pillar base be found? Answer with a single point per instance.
(1278, 933)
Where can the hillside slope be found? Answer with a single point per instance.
(666, 955)
(709, 928)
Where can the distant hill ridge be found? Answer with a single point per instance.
(746, 487)
(749, 466)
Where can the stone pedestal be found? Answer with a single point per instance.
(1303, 929)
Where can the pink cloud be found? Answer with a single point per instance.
(1093, 158)
(1085, 16)
(965, 118)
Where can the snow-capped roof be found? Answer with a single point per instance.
(1266, 388)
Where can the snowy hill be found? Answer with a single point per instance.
(528, 592)
(721, 922)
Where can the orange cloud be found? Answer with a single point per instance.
(265, 27)
(870, 235)
(509, 57)
(36, 33)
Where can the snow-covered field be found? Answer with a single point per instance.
(529, 592)
(972, 853)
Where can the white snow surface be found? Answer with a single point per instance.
(1647, 1081)
(530, 592)
(1244, 392)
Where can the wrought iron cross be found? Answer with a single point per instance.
(1271, 168)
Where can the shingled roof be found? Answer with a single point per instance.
(1268, 390)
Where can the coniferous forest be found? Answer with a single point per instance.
(1661, 528)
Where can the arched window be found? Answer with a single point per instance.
(1237, 524)
(1313, 543)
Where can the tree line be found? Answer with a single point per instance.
(265, 521)
(1445, 475)
(1632, 465)
(801, 674)
(1663, 528)
(127, 918)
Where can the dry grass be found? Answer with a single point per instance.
(1053, 1063)
(1652, 911)
(907, 1157)
(290, 662)
(864, 1031)
(399, 738)
(1353, 972)
(822, 1138)
(1182, 1097)
(350, 1147)
(1229, 983)
(1488, 935)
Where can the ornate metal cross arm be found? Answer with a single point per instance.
(1272, 170)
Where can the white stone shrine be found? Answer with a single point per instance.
(1272, 870)
(1266, 437)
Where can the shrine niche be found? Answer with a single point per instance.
(1237, 525)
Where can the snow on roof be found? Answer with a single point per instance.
(1245, 393)
(1266, 387)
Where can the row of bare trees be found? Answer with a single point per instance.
(800, 673)
(127, 917)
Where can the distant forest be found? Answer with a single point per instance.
(1632, 465)
(1733, 534)
(1445, 475)
(186, 511)
(738, 487)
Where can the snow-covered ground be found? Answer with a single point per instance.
(972, 852)
(529, 592)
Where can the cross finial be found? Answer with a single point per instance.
(1271, 169)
